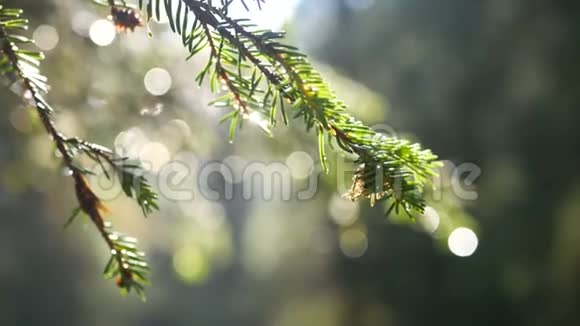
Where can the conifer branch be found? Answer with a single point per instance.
(258, 77)
(22, 66)
(263, 76)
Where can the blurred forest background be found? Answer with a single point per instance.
(494, 83)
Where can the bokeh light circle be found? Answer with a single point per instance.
(157, 81)
(46, 37)
(102, 32)
(301, 164)
(463, 242)
(343, 212)
(354, 243)
(430, 220)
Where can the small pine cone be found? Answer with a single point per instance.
(126, 18)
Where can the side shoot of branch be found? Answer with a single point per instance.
(265, 78)
(19, 65)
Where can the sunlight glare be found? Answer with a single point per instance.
(274, 14)
(256, 118)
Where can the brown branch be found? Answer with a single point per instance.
(218, 66)
(204, 12)
(88, 201)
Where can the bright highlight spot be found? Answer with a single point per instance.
(102, 32)
(154, 156)
(430, 220)
(353, 243)
(300, 164)
(256, 118)
(157, 81)
(152, 112)
(272, 16)
(463, 242)
(344, 212)
(45, 37)
(130, 143)
(81, 22)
